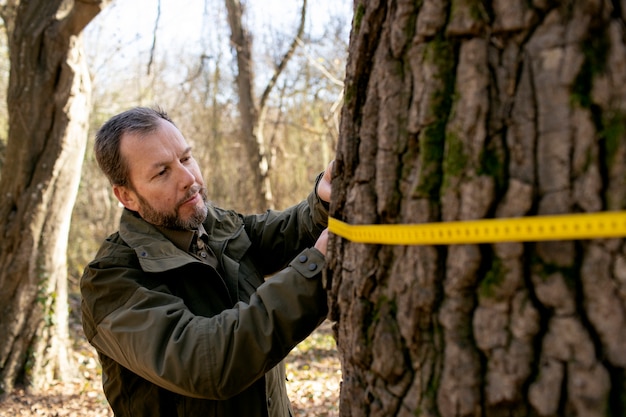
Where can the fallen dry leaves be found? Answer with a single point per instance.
(314, 375)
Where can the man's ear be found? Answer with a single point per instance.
(126, 197)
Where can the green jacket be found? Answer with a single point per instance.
(177, 337)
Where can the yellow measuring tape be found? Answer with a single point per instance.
(524, 229)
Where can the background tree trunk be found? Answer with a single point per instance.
(253, 115)
(465, 110)
(48, 104)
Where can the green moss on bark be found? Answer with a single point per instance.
(440, 52)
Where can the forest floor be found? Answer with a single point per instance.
(313, 373)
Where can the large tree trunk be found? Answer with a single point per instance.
(465, 110)
(48, 103)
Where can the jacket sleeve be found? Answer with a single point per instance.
(153, 334)
(277, 236)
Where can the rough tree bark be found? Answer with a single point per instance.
(253, 114)
(464, 109)
(48, 104)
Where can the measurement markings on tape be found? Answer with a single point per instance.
(523, 229)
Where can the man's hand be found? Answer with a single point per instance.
(323, 187)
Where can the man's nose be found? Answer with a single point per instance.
(186, 177)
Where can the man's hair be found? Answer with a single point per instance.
(139, 121)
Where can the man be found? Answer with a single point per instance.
(179, 303)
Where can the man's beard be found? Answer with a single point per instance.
(171, 220)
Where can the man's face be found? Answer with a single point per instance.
(167, 188)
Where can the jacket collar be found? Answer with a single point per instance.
(183, 239)
(156, 253)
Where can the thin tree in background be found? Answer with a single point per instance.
(253, 112)
(465, 110)
(48, 105)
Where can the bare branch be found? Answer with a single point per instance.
(154, 37)
(279, 69)
(319, 66)
(283, 63)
